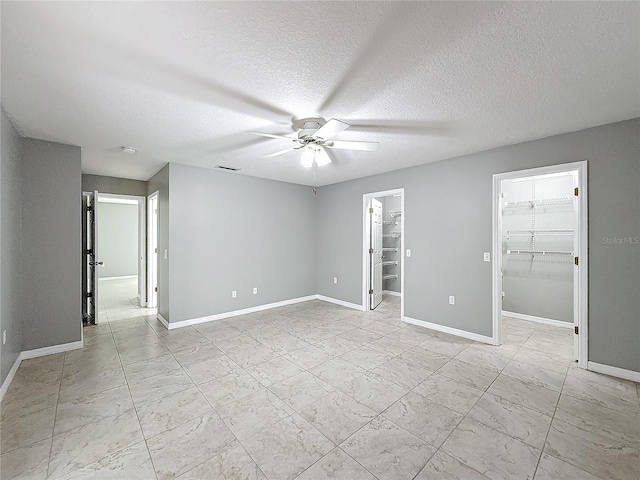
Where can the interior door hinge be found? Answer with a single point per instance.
(371, 250)
(575, 191)
(370, 291)
(371, 210)
(575, 329)
(575, 260)
(155, 289)
(156, 250)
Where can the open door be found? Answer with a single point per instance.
(375, 253)
(90, 262)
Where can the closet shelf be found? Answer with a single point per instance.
(389, 262)
(389, 249)
(394, 235)
(390, 222)
(530, 233)
(539, 203)
(539, 252)
(390, 277)
(395, 213)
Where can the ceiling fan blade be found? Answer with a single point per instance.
(330, 128)
(273, 135)
(281, 152)
(322, 158)
(349, 145)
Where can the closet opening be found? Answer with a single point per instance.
(383, 247)
(540, 263)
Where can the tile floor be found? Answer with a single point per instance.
(314, 391)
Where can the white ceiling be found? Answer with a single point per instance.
(183, 82)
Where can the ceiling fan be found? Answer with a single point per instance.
(313, 138)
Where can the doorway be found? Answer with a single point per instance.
(540, 259)
(383, 247)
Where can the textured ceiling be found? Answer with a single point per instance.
(183, 82)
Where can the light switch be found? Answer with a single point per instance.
(487, 257)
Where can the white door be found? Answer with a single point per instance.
(576, 271)
(92, 258)
(152, 254)
(375, 253)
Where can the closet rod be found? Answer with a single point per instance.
(538, 252)
(390, 277)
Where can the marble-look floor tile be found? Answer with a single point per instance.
(301, 390)
(597, 454)
(308, 357)
(235, 343)
(536, 398)
(402, 373)
(132, 463)
(273, 371)
(475, 375)
(550, 468)
(512, 419)
(382, 328)
(312, 335)
(183, 338)
(535, 375)
(337, 416)
(337, 346)
(388, 451)
(426, 419)
(234, 463)
(91, 380)
(286, 449)
(186, 446)
(445, 467)
(455, 395)
(26, 463)
(82, 446)
(18, 431)
(79, 411)
(412, 334)
(361, 336)
(483, 356)
(337, 371)
(541, 359)
(217, 331)
(252, 356)
(150, 367)
(336, 465)
(227, 389)
(157, 416)
(366, 357)
(209, 369)
(425, 358)
(285, 343)
(197, 353)
(602, 392)
(494, 454)
(251, 414)
(373, 391)
(445, 345)
(601, 420)
(142, 352)
(390, 345)
(159, 386)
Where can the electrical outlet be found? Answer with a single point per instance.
(4, 337)
(487, 257)
(255, 290)
(408, 252)
(452, 300)
(234, 294)
(335, 279)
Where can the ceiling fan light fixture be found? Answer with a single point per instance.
(322, 158)
(307, 158)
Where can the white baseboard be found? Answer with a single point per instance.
(531, 318)
(392, 293)
(355, 306)
(614, 371)
(452, 331)
(38, 352)
(163, 321)
(9, 379)
(234, 313)
(41, 352)
(121, 277)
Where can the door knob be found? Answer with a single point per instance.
(100, 264)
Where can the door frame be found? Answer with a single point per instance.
(366, 202)
(581, 277)
(142, 238)
(152, 274)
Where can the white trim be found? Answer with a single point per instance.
(41, 352)
(451, 331)
(151, 255)
(355, 306)
(163, 321)
(366, 198)
(392, 293)
(234, 313)
(581, 287)
(9, 379)
(122, 277)
(614, 371)
(531, 318)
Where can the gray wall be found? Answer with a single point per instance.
(160, 183)
(51, 242)
(234, 232)
(390, 204)
(447, 218)
(118, 239)
(528, 279)
(10, 244)
(120, 186)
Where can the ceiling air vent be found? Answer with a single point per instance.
(229, 169)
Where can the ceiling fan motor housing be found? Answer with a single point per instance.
(308, 129)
